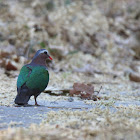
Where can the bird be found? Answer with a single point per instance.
(33, 78)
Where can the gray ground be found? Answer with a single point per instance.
(19, 116)
(24, 116)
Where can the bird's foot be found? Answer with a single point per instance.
(36, 104)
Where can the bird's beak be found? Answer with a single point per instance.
(50, 57)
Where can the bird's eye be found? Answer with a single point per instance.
(45, 52)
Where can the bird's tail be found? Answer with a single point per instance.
(22, 98)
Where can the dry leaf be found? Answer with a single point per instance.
(84, 91)
(10, 65)
(134, 77)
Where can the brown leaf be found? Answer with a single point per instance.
(10, 65)
(84, 91)
(134, 77)
(83, 88)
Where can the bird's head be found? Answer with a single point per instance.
(42, 53)
(40, 56)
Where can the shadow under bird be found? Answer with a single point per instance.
(33, 78)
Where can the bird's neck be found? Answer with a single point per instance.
(38, 61)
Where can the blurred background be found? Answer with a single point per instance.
(99, 36)
(94, 42)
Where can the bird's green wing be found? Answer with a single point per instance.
(24, 75)
(39, 78)
(34, 77)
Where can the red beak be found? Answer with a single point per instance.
(50, 57)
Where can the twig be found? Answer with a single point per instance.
(63, 92)
(113, 83)
(98, 91)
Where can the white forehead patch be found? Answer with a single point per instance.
(42, 51)
(39, 52)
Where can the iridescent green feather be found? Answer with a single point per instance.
(34, 77)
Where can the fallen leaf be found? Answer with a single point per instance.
(10, 65)
(84, 91)
(134, 77)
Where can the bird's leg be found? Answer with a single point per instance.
(36, 101)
